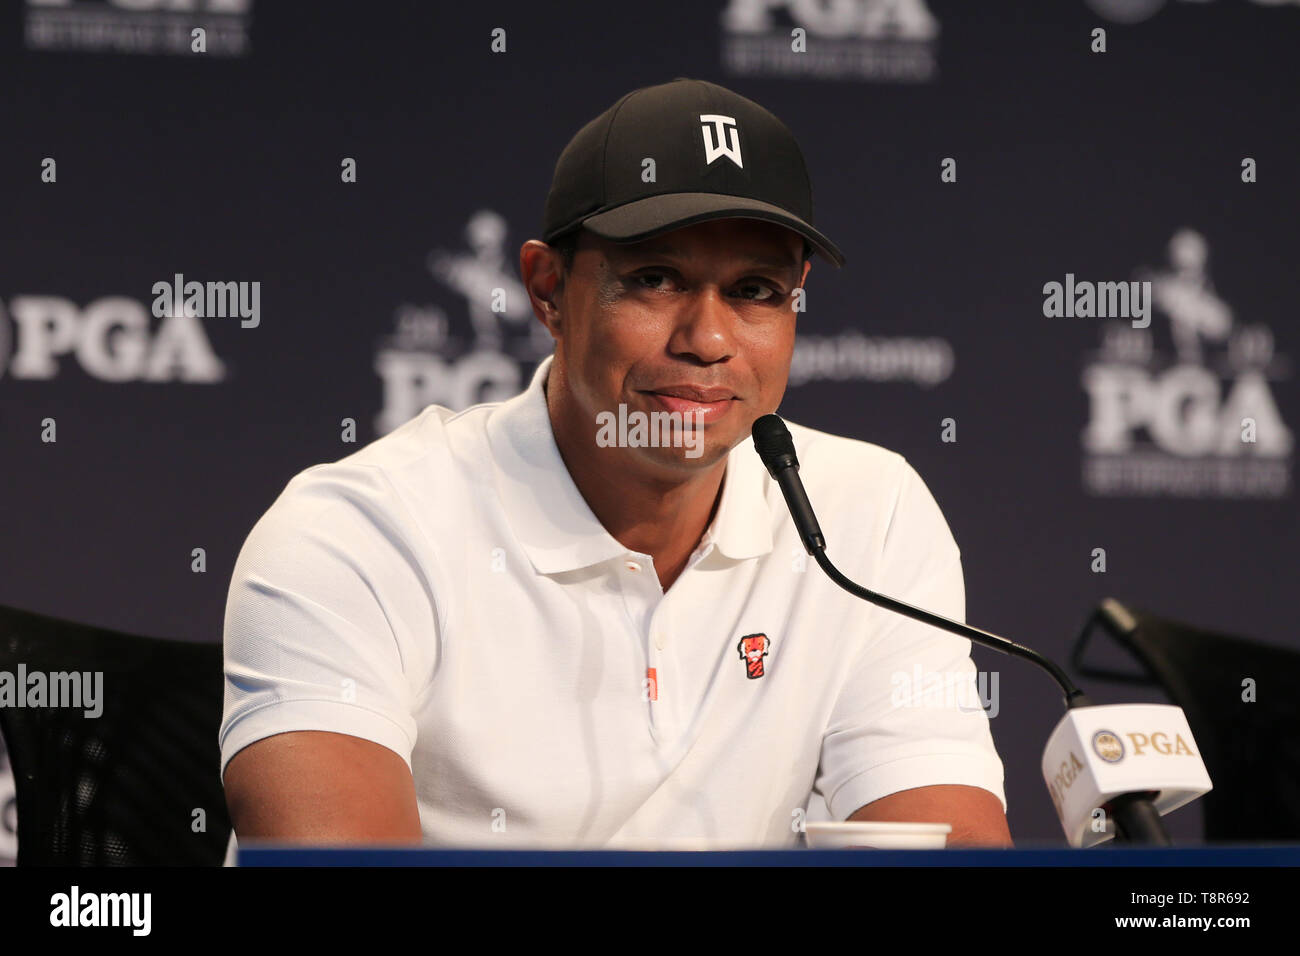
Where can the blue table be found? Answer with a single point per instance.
(1287, 855)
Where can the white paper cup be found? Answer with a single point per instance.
(857, 834)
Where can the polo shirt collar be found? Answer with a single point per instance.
(553, 522)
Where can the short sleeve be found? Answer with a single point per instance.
(909, 713)
(325, 602)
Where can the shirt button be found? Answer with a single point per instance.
(632, 566)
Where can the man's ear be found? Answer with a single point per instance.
(807, 264)
(540, 268)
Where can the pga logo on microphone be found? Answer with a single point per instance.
(1087, 763)
(1108, 746)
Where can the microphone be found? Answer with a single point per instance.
(1134, 762)
(1077, 786)
(774, 445)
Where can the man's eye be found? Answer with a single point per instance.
(756, 292)
(652, 280)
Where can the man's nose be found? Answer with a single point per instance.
(705, 326)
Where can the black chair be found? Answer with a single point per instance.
(123, 788)
(1252, 750)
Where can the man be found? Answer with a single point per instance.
(516, 625)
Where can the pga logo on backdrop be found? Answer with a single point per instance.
(114, 340)
(429, 360)
(1196, 418)
(110, 338)
(150, 27)
(874, 40)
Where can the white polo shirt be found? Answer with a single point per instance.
(447, 593)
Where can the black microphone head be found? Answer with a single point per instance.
(773, 443)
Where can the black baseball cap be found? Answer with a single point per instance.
(717, 155)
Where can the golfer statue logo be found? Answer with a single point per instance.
(496, 299)
(753, 648)
(1187, 296)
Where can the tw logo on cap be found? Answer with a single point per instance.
(753, 648)
(715, 128)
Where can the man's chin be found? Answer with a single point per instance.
(695, 454)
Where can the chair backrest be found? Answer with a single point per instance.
(1250, 747)
(138, 784)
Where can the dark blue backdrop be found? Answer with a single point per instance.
(176, 433)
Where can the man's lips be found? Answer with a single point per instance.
(704, 404)
(695, 393)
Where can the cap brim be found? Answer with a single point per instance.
(645, 218)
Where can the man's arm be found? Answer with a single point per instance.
(313, 786)
(329, 626)
(975, 814)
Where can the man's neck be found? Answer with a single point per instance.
(666, 523)
(662, 517)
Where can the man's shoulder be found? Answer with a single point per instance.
(858, 484)
(421, 444)
(378, 485)
(435, 431)
(838, 460)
